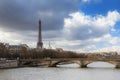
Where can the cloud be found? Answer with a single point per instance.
(107, 39)
(81, 27)
(109, 49)
(14, 38)
(85, 1)
(88, 44)
(24, 14)
(19, 18)
(80, 33)
(91, 1)
(61, 23)
(86, 33)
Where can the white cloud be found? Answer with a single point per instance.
(108, 49)
(81, 26)
(86, 1)
(107, 39)
(92, 1)
(92, 31)
(8, 37)
(14, 38)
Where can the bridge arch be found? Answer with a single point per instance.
(61, 62)
(82, 64)
(112, 63)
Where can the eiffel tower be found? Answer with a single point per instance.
(39, 43)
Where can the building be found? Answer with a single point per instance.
(19, 49)
(59, 49)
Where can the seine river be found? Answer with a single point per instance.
(96, 71)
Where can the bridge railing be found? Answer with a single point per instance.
(55, 59)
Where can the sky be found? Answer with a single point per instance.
(77, 25)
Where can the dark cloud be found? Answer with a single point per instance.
(24, 14)
(85, 32)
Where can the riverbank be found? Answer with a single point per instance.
(8, 64)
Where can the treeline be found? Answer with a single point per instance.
(33, 53)
(4, 52)
(49, 53)
(46, 53)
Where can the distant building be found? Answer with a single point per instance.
(22, 48)
(6, 45)
(109, 54)
(59, 49)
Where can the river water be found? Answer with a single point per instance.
(95, 71)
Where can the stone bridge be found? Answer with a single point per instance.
(83, 62)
